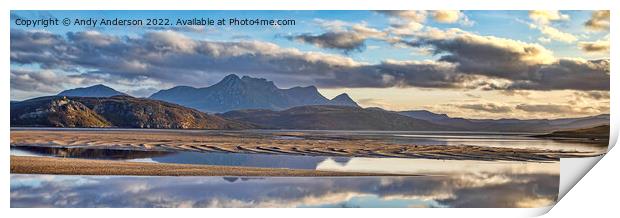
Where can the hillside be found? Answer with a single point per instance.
(116, 111)
(596, 133)
(509, 125)
(323, 117)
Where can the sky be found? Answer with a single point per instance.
(474, 64)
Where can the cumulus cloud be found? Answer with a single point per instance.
(599, 21)
(524, 65)
(406, 23)
(595, 47)
(596, 95)
(489, 55)
(546, 17)
(575, 74)
(407, 15)
(170, 58)
(346, 40)
(543, 20)
(451, 16)
(42, 81)
(555, 34)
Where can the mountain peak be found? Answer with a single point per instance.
(342, 96)
(230, 78)
(344, 99)
(257, 81)
(98, 90)
(234, 93)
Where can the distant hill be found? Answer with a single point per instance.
(234, 93)
(343, 100)
(326, 117)
(598, 133)
(510, 125)
(91, 91)
(116, 111)
(424, 115)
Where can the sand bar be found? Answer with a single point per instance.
(73, 166)
(248, 142)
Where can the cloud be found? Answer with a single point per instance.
(447, 16)
(546, 108)
(596, 95)
(599, 21)
(523, 65)
(493, 56)
(595, 47)
(546, 17)
(451, 190)
(451, 16)
(407, 15)
(346, 40)
(42, 81)
(404, 23)
(488, 107)
(577, 74)
(168, 58)
(543, 20)
(555, 34)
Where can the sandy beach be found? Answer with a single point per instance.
(71, 166)
(292, 143)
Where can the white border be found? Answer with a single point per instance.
(291, 5)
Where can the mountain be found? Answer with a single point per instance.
(424, 115)
(55, 112)
(344, 100)
(510, 125)
(332, 117)
(117, 111)
(91, 91)
(596, 133)
(234, 93)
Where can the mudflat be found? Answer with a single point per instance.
(72, 166)
(291, 142)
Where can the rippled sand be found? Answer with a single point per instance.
(71, 166)
(293, 143)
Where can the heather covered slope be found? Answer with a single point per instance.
(116, 111)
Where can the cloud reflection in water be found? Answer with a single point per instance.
(465, 190)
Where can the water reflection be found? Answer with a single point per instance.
(186, 157)
(462, 190)
(348, 164)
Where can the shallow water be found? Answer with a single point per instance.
(348, 164)
(489, 139)
(459, 190)
(445, 183)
